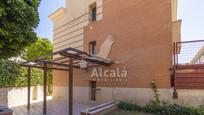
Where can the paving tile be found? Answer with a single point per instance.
(53, 108)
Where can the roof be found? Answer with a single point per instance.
(61, 62)
(57, 13)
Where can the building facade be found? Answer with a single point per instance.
(144, 30)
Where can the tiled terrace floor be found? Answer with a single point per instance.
(53, 108)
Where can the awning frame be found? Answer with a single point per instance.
(63, 60)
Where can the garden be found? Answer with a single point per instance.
(156, 107)
(18, 39)
(13, 75)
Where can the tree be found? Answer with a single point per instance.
(39, 48)
(18, 19)
(12, 75)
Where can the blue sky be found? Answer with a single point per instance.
(190, 11)
(192, 14)
(46, 8)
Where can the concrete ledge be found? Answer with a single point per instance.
(5, 111)
(100, 109)
(16, 96)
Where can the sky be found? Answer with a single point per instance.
(190, 11)
(47, 7)
(192, 14)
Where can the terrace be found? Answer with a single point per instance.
(66, 60)
(53, 108)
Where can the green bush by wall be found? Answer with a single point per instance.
(158, 107)
(168, 109)
(9, 72)
(12, 75)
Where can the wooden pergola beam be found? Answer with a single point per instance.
(54, 53)
(71, 87)
(45, 89)
(52, 62)
(78, 57)
(59, 58)
(78, 51)
(29, 84)
(49, 68)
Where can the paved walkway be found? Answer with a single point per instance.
(53, 108)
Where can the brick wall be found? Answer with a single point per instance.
(144, 41)
(144, 44)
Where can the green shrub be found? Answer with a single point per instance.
(130, 107)
(170, 109)
(156, 93)
(9, 72)
(156, 106)
(12, 75)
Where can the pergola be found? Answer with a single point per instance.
(64, 60)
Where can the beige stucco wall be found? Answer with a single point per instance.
(3, 97)
(69, 28)
(134, 95)
(176, 31)
(18, 96)
(174, 6)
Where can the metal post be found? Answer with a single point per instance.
(176, 51)
(45, 89)
(175, 94)
(71, 86)
(29, 77)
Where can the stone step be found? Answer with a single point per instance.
(100, 109)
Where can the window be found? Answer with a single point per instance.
(93, 12)
(92, 48)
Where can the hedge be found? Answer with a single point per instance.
(168, 109)
(158, 107)
(12, 75)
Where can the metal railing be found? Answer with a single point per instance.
(186, 54)
(189, 52)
